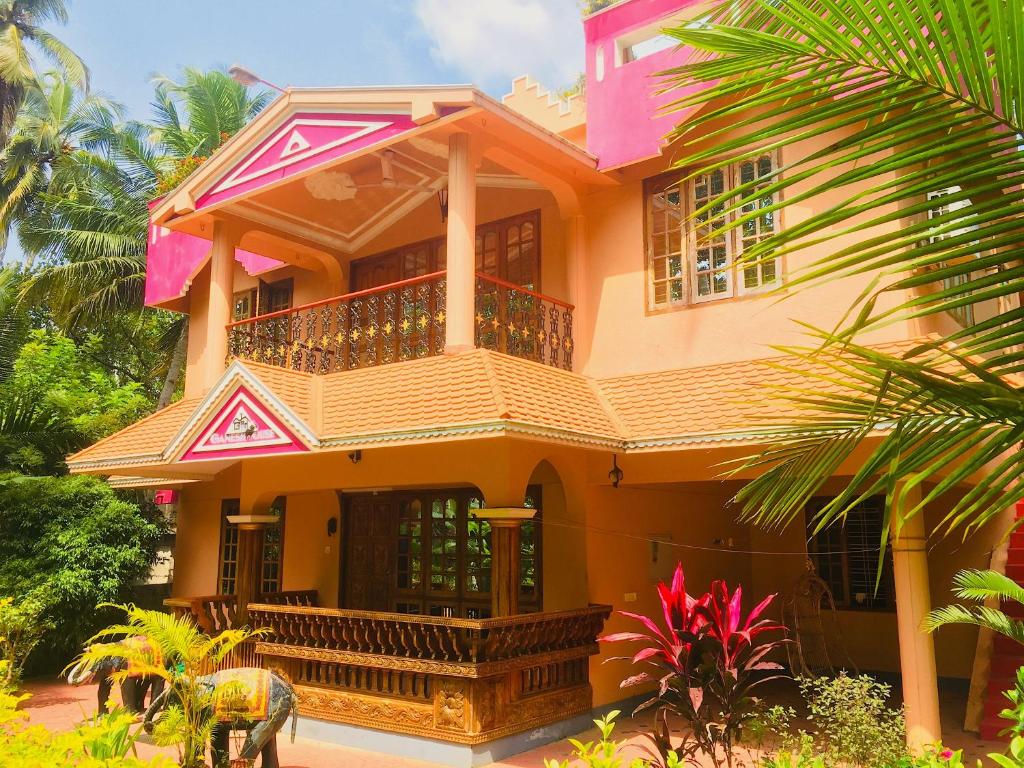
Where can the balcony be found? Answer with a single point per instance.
(402, 321)
(465, 681)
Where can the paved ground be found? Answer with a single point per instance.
(59, 706)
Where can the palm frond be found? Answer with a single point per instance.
(904, 98)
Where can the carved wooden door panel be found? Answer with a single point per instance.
(369, 552)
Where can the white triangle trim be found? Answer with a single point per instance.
(237, 374)
(239, 175)
(296, 143)
(240, 406)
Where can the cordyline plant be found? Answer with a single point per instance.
(705, 662)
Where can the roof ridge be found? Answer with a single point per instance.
(609, 409)
(496, 391)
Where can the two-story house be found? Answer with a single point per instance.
(461, 379)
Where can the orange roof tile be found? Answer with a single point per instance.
(477, 392)
(144, 440)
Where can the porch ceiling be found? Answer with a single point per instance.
(333, 168)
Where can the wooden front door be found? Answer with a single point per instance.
(369, 552)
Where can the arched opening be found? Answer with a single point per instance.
(561, 541)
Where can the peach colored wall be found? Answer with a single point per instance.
(197, 544)
(310, 555)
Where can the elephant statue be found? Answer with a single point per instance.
(134, 687)
(255, 700)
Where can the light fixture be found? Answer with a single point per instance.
(442, 201)
(356, 456)
(615, 475)
(248, 78)
(332, 526)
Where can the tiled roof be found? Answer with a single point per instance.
(145, 438)
(478, 392)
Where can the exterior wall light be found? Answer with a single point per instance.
(442, 201)
(356, 456)
(616, 474)
(332, 526)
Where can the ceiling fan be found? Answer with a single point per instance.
(338, 185)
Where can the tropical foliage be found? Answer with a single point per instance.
(189, 719)
(905, 99)
(982, 587)
(21, 629)
(705, 662)
(21, 30)
(68, 543)
(103, 742)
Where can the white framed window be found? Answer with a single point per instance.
(687, 261)
(943, 202)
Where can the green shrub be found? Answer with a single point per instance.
(104, 742)
(68, 544)
(604, 753)
(21, 629)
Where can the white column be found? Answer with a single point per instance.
(917, 648)
(461, 281)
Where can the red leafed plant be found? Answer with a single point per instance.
(705, 661)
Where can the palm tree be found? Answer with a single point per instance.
(98, 239)
(908, 99)
(189, 720)
(980, 587)
(20, 25)
(50, 151)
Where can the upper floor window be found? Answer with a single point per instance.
(943, 202)
(687, 260)
(266, 297)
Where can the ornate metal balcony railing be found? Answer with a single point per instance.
(523, 323)
(404, 321)
(400, 321)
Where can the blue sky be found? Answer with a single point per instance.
(326, 42)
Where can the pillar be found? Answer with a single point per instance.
(917, 648)
(461, 280)
(251, 530)
(506, 524)
(221, 297)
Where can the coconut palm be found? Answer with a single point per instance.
(50, 151)
(907, 99)
(980, 587)
(98, 238)
(20, 26)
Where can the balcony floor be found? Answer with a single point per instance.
(59, 706)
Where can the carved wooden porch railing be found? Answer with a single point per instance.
(400, 321)
(523, 323)
(215, 613)
(459, 680)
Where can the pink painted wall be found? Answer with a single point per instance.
(622, 121)
(173, 259)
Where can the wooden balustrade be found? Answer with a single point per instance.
(215, 613)
(461, 680)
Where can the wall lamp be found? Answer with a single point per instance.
(442, 201)
(332, 526)
(356, 456)
(616, 474)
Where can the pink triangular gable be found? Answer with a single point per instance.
(243, 427)
(174, 258)
(303, 141)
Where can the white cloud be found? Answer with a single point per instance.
(489, 42)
